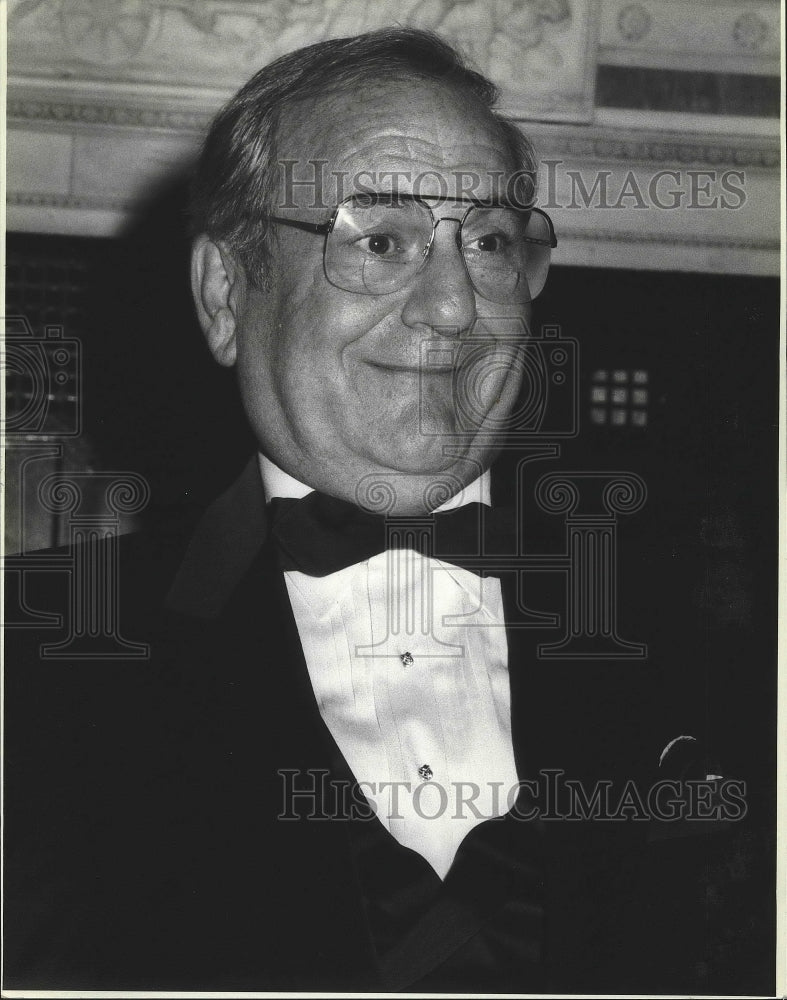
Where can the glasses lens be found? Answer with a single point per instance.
(377, 244)
(507, 252)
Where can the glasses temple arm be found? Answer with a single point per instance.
(318, 228)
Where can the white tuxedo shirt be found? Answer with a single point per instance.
(408, 660)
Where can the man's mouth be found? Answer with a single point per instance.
(421, 369)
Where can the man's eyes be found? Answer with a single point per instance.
(489, 243)
(394, 245)
(391, 246)
(380, 244)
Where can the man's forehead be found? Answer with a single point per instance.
(420, 137)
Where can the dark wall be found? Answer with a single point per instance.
(155, 402)
(698, 563)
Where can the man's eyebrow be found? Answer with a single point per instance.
(395, 195)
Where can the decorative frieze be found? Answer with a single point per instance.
(109, 99)
(542, 54)
(726, 35)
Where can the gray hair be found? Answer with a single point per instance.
(236, 179)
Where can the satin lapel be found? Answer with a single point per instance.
(229, 576)
(498, 863)
(270, 741)
(226, 541)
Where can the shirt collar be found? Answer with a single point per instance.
(278, 483)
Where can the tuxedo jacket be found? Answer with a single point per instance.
(145, 847)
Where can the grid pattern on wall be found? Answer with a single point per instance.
(619, 397)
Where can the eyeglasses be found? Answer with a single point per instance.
(376, 243)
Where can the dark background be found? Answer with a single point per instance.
(698, 563)
(153, 401)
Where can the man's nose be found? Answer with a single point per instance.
(441, 296)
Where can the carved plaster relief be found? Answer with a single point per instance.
(109, 98)
(541, 52)
(727, 36)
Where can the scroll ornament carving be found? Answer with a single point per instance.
(508, 40)
(505, 38)
(750, 31)
(634, 22)
(107, 33)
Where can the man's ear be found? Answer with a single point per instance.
(215, 285)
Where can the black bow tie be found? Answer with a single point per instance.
(319, 534)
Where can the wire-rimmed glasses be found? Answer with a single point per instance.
(376, 243)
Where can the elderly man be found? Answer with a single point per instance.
(323, 777)
(333, 317)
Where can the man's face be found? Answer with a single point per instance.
(333, 381)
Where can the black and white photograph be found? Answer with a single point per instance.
(392, 459)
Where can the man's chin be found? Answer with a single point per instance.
(421, 455)
(407, 479)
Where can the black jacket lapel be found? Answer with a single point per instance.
(266, 740)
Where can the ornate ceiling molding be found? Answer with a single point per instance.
(32, 199)
(108, 99)
(542, 54)
(630, 237)
(46, 110)
(591, 142)
(727, 35)
(600, 142)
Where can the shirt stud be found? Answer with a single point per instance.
(426, 772)
(407, 659)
